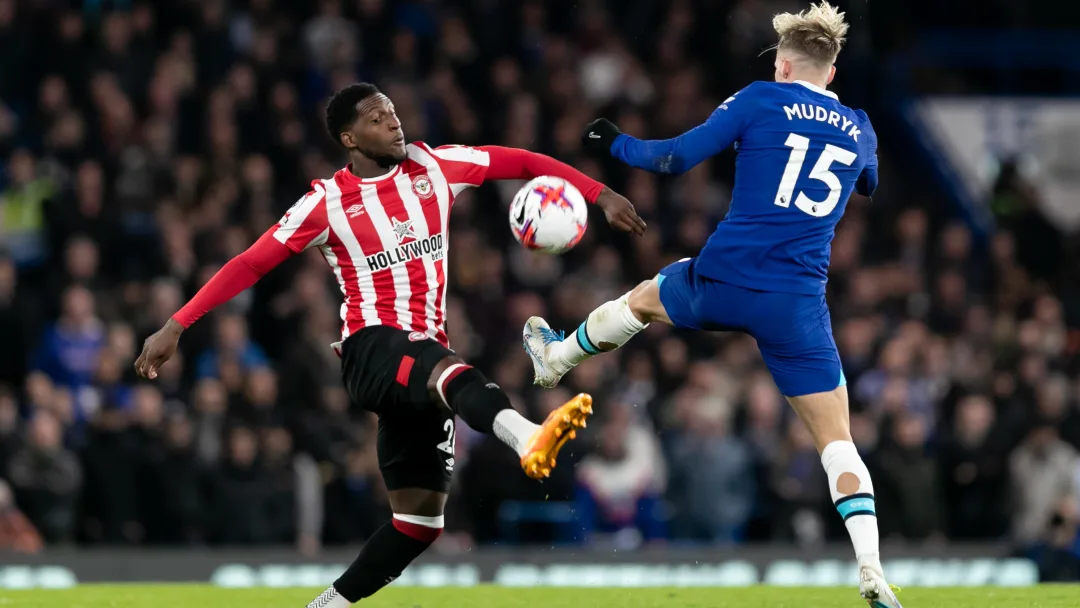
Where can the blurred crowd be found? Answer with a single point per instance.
(145, 143)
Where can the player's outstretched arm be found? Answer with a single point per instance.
(304, 225)
(235, 276)
(514, 163)
(672, 156)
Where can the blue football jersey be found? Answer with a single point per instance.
(800, 155)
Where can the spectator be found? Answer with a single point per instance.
(173, 505)
(355, 500)
(296, 505)
(46, 479)
(16, 532)
(622, 482)
(232, 348)
(209, 401)
(800, 483)
(113, 465)
(23, 202)
(11, 438)
(17, 324)
(69, 349)
(711, 473)
(241, 494)
(1043, 472)
(908, 484)
(975, 473)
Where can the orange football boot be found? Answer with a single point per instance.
(561, 426)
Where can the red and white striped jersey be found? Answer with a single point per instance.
(386, 237)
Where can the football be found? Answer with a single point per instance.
(548, 214)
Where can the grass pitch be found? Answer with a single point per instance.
(198, 596)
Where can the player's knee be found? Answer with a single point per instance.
(439, 370)
(459, 382)
(644, 301)
(825, 415)
(418, 501)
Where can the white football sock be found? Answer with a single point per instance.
(608, 327)
(857, 508)
(329, 599)
(513, 429)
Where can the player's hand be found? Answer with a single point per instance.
(158, 348)
(599, 135)
(620, 212)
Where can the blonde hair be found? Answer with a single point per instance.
(818, 32)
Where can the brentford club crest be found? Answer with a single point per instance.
(421, 185)
(417, 336)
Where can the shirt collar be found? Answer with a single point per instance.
(813, 87)
(349, 177)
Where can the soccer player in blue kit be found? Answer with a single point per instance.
(801, 153)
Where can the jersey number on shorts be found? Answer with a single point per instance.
(448, 445)
(799, 145)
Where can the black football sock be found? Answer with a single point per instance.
(383, 558)
(472, 396)
(484, 406)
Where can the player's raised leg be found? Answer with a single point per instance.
(607, 328)
(486, 408)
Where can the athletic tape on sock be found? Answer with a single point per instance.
(583, 341)
(422, 520)
(419, 527)
(856, 504)
(449, 374)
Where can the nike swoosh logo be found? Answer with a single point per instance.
(521, 214)
(593, 136)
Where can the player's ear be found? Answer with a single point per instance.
(832, 74)
(347, 140)
(785, 68)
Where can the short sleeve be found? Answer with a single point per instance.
(463, 166)
(305, 224)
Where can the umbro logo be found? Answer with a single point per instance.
(355, 210)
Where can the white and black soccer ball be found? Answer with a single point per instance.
(549, 214)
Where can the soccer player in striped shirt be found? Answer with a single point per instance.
(381, 224)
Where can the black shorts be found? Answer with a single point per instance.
(386, 372)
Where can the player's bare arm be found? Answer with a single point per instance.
(620, 212)
(158, 348)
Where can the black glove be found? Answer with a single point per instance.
(599, 135)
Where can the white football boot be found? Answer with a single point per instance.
(538, 338)
(874, 589)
